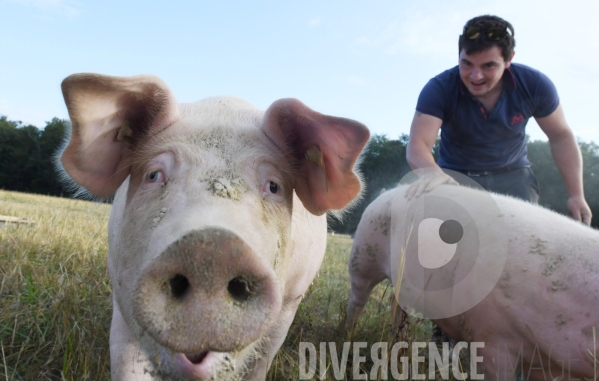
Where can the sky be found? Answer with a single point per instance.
(364, 60)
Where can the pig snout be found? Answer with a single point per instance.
(208, 291)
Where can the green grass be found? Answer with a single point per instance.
(55, 298)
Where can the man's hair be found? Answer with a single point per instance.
(483, 42)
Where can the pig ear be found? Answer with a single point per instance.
(323, 150)
(109, 116)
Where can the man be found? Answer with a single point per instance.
(481, 107)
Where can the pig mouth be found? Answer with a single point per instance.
(197, 358)
(206, 365)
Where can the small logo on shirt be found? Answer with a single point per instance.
(517, 119)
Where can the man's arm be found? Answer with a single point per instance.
(568, 160)
(423, 135)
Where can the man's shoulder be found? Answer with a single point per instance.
(523, 68)
(532, 81)
(531, 84)
(449, 77)
(438, 95)
(445, 83)
(526, 73)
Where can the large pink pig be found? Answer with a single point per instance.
(217, 227)
(539, 318)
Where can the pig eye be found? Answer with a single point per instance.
(272, 188)
(155, 176)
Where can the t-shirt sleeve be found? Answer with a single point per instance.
(546, 99)
(432, 99)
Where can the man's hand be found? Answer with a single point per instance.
(580, 210)
(423, 135)
(427, 181)
(568, 160)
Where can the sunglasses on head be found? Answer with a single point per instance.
(495, 33)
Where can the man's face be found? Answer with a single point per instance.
(481, 72)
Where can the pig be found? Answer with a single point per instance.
(539, 321)
(218, 223)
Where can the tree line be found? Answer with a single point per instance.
(27, 156)
(384, 164)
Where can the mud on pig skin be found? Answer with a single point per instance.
(544, 307)
(217, 226)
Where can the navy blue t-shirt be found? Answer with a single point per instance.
(471, 138)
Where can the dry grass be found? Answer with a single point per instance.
(55, 295)
(321, 318)
(55, 300)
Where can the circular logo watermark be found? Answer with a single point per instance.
(448, 246)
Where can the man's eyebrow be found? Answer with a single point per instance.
(484, 64)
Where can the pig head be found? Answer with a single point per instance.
(217, 226)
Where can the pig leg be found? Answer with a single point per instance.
(369, 261)
(361, 287)
(398, 319)
(127, 362)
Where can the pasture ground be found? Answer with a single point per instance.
(55, 298)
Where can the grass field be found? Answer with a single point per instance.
(55, 298)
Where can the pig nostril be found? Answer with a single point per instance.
(240, 289)
(179, 286)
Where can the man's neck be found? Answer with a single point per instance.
(490, 99)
